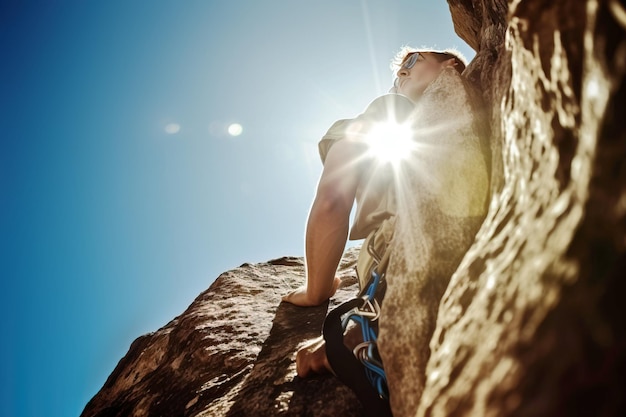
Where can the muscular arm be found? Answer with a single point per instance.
(328, 222)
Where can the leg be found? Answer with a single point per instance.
(311, 358)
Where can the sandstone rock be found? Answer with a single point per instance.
(231, 353)
(532, 323)
(442, 199)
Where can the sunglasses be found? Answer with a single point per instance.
(411, 59)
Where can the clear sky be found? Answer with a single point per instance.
(123, 195)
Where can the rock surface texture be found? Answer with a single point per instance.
(232, 353)
(533, 321)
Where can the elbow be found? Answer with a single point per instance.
(332, 203)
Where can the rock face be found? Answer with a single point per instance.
(231, 353)
(442, 200)
(532, 322)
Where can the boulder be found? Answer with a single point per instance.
(232, 353)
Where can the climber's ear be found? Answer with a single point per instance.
(452, 62)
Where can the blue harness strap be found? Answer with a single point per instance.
(360, 369)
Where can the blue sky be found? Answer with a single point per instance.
(110, 225)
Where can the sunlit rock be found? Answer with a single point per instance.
(231, 353)
(532, 323)
(442, 200)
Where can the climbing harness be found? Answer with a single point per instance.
(361, 368)
(366, 351)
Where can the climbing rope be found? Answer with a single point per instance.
(367, 351)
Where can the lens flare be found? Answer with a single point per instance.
(390, 142)
(172, 128)
(235, 129)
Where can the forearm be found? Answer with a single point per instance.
(326, 236)
(328, 223)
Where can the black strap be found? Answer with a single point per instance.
(347, 367)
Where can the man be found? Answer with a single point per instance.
(352, 172)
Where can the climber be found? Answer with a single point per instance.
(353, 172)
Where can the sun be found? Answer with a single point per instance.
(390, 142)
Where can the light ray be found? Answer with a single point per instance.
(370, 42)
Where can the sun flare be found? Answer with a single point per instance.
(390, 142)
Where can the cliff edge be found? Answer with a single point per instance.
(232, 353)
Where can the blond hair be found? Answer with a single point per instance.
(440, 55)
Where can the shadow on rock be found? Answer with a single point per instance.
(273, 388)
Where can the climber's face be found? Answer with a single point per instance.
(418, 69)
